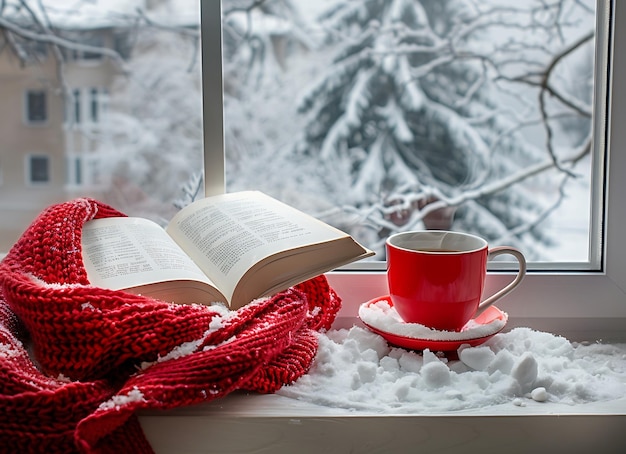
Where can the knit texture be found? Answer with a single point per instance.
(78, 361)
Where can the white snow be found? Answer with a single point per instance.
(356, 369)
(382, 316)
(8, 351)
(96, 13)
(118, 401)
(77, 14)
(187, 348)
(264, 24)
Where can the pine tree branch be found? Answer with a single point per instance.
(509, 181)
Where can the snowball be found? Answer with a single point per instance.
(539, 394)
(477, 358)
(503, 362)
(366, 371)
(525, 371)
(436, 374)
(389, 364)
(411, 362)
(402, 391)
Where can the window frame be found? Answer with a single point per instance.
(565, 302)
(27, 111)
(29, 169)
(86, 57)
(77, 110)
(94, 104)
(86, 107)
(74, 171)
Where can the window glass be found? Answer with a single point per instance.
(38, 169)
(77, 106)
(96, 41)
(74, 170)
(94, 104)
(379, 117)
(374, 116)
(121, 103)
(36, 109)
(87, 37)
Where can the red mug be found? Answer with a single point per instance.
(436, 278)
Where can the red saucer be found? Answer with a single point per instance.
(412, 343)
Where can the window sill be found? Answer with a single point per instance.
(243, 423)
(274, 424)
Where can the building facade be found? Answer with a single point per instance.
(52, 105)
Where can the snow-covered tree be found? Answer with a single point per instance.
(415, 113)
(153, 133)
(439, 114)
(261, 39)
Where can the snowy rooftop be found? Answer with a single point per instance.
(89, 14)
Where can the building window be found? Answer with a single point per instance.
(94, 104)
(74, 170)
(94, 40)
(36, 106)
(98, 103)
(38, 169)
(76, 103)
(87, 105)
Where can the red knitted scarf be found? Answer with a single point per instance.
(77, 361)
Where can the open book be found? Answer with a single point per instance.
(231, 248)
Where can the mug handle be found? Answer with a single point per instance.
(506, 290)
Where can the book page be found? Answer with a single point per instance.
(121, 253)
(227, 234)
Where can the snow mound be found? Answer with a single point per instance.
(356, 369)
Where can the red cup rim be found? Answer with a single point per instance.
(484, 244)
